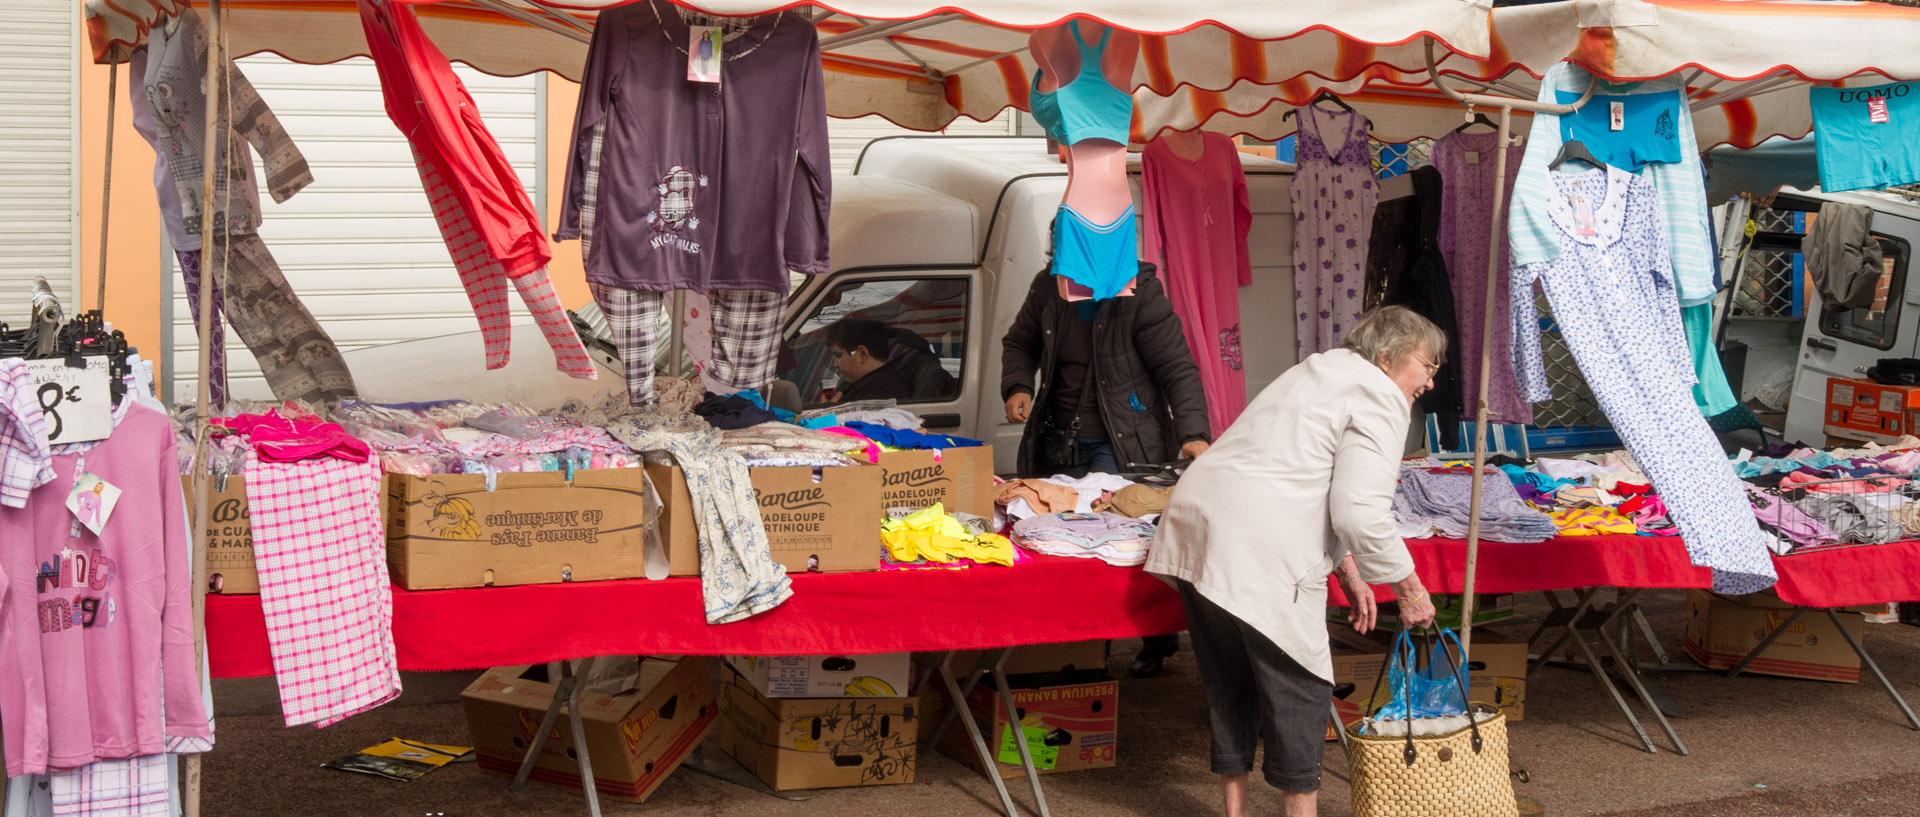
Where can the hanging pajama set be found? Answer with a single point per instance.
(1197, 215)
(484, 214)
(1333, 194)
(721, 189)
(1611, 286)
(1680, 197)
(297, 357)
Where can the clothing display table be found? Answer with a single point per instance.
(1051, 600)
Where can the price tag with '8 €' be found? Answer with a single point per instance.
(75, 401)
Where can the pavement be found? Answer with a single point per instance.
(1760, 746)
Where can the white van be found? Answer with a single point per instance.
(1788, 332)
(942, 236)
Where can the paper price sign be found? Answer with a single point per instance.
(76, 402)
(1044, 756)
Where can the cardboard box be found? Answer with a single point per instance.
(448, 530)
(1860, 409)
(819, 743)
(1068, 727)
(1497, 674)
(961, 479)
(1721, 630)
(825, 519)
(635, 737)
(888, 675)
(229, 537)
(1031, 659)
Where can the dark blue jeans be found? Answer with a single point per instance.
(1096, 457)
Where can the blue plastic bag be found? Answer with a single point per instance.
(1436, 690)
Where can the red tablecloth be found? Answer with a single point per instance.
(1051, 600)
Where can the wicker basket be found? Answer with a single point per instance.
(1433, 776)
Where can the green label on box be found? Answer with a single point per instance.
(1044, 756)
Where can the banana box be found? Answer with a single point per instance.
(818, 743)
(1068, 727)
(883, 675)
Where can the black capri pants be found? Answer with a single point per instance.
(1256, 693)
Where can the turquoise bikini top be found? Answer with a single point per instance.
(1089, 107)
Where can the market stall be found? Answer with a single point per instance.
(1399, 66)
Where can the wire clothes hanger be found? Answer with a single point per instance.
(1328, 96)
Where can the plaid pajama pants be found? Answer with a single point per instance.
(746, 336)
(322, 558)
(112, 788)
(746, 323)
(486, 283)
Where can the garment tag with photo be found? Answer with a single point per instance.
(1583, 220)
(1473, 157)
(1877, 111)
(703, 54)
(1617, 115)
(92, 500)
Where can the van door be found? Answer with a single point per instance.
(932, 328)
(1842, 343)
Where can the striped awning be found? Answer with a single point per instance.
(1230, 67)
(919, 63)
(1747, 63)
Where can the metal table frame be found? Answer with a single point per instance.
(1858, 649)
(991, 664)
(1587, 622)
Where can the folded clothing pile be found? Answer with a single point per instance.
(930, 537)
(1109, 537)
(1438, 502)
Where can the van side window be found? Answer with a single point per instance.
(1877, 324)
(900, 338)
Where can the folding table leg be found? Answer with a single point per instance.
(988, 758)
(1553, 601)
(1587, 599)
(1599, 672)
(1646, 632)
(1020, 736)
(1624, 664)
(1874, 667)
(563, 688)
(566, 693)
(1765, 643)
(980, 668)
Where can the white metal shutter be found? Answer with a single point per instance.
(848, 137)
(359, 245)
(39, 171)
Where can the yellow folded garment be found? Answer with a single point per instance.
(1591, 522)
(932, 535)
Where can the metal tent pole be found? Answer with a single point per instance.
(1507, 105)
(190, 794)
(106, 188)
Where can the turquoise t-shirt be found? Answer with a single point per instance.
(1854, 150)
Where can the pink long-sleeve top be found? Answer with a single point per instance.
(96, 631)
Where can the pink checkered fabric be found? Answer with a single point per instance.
(486, 280)
(322, 558)
(26, 462)
(112, 788)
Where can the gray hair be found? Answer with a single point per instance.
(1390, 333)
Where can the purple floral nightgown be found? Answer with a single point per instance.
(1466, 165)
(1333, 195)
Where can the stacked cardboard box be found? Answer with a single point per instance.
(849, 739)
(1721, 630)
(472, 530)
(825, 519)
(636, 735)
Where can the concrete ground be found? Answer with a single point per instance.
(1760, 747)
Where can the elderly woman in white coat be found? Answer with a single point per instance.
(1299, 487)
